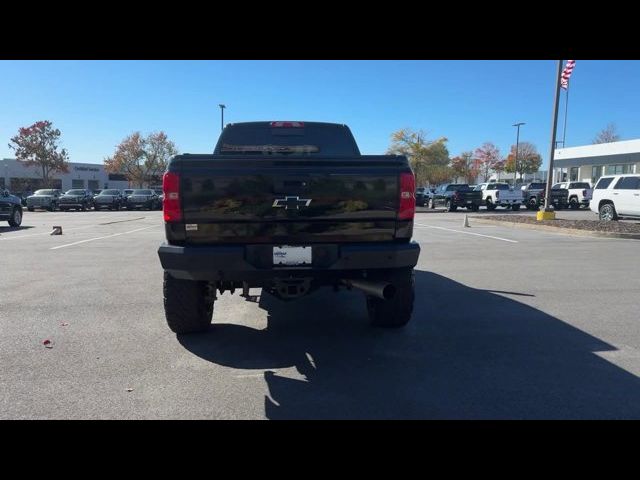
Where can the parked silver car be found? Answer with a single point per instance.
(46, 198)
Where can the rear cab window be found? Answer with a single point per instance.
(285, 138)
(457, 186)
(582, 185)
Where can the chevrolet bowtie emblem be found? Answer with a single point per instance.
(291, 202)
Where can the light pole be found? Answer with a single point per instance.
(222, 107)
(515, 167)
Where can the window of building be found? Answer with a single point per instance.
(117, 177)
(77, 183)
(94, 185)
(619, 169)
(596, 173)
(628, 183)
(573, 174)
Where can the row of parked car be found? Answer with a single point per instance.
(81, 199)
(612, 198)
(496, 194)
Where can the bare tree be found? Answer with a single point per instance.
(607, 134)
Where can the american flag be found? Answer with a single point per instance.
(566, 73)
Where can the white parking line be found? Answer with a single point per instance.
(48, 232)
(467, 233)
(100, 238)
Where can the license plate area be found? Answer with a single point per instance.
(287, 255)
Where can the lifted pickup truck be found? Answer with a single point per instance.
(454, 195)
(288, 207)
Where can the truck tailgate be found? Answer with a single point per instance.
(270, 200)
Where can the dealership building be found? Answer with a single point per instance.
(588, 163)
(17, 178)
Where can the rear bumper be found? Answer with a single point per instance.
(254, 263)
(464, 203)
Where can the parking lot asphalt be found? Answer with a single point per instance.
(508, 323)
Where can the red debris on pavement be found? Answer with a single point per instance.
(47, 343)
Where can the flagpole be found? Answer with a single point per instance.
(566, 109)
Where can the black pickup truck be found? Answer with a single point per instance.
(533, 196)
(288, 207)
(454, 195)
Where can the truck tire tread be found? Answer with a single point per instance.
(186, 307)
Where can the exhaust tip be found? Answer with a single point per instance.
(389, 292)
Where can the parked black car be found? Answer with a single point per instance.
(454, 195)
(423, 195)
(76, 199)
(109, 198)
(533, 196)
(10, 208)
(143, 198)
(125, 196)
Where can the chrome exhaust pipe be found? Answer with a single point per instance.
(383, 290)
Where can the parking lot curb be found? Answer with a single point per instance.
(566, 231)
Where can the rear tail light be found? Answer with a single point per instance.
(171, 207)
(497, 194)
(407, 196)
(584, 193)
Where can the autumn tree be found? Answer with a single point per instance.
(500, 166)
(141, 159)
(487, 156)
(37, 146)
(607, 134)
(429, 159)
(464, 165)
(529, 160)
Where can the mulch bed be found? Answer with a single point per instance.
(590, 225)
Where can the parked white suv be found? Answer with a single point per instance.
(617, 196)
(580, 193)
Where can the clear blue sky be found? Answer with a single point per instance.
(97, 103)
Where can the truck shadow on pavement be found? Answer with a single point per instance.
(467, 354)
(14, 229)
